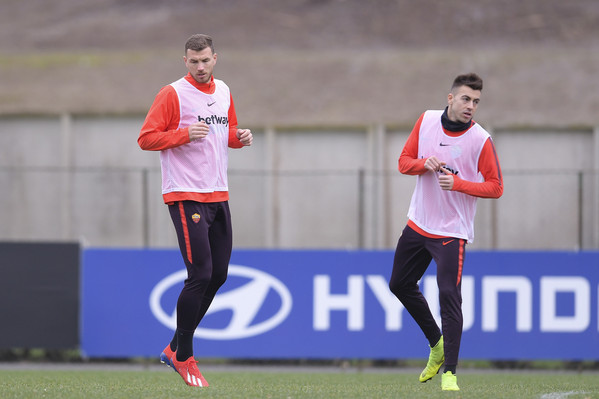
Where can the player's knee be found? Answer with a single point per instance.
(218, 279)
(449, 294)
(398, 288)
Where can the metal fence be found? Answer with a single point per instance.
(351, 209)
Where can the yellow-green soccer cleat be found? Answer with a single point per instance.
(449, 382)
(435, 360)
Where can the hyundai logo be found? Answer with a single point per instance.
(244, 302)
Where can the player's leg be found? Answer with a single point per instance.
(221, 244)
(449, 255)
(191, 221)
(450, 260)
(175, 213)
(409, 264)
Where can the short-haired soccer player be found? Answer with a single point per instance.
(192, 122)
(455, 162)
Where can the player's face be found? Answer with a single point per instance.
(200, 64)
(462, 102)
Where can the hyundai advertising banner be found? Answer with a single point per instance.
(337, 304)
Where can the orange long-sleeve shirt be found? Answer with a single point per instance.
(161, 131)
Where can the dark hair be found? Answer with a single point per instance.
(471, 80)
(199, 42)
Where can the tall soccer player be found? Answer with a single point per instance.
(192, 122)
(455, 162)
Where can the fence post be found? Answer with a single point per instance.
(594, 242)
(145, 216)
(271, 195)
(580, 209)
(66, 138)
(361, 206)
(375, 232)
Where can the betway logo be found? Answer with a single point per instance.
(550, 320)
(214, 120)
(244, 302)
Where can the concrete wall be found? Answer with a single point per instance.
(85, 178)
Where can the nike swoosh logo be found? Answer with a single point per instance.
(211, 104)
(447, 242)
(444, 145)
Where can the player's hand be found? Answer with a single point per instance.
(446, 180)
(245, 136)
(433, 164)
(198, 130)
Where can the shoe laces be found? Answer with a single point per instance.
(192, 367)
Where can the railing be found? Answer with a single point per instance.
(351, 209)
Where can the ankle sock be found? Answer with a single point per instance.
(173, 344)
(184, 345)
(450, 368)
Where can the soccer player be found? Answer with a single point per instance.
(192, 122)
(455, 162)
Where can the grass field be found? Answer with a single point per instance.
(91, 384)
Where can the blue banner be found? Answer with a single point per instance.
(337, 304)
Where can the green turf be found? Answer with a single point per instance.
(157, 384)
